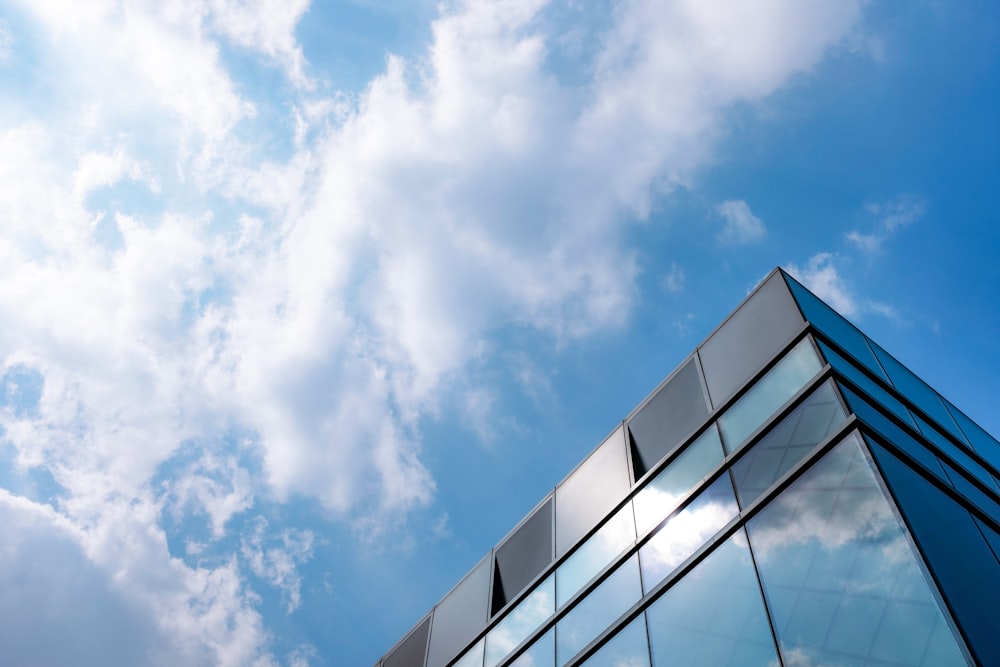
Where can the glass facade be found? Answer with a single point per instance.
(791, 495)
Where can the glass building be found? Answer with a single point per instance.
(790, 495)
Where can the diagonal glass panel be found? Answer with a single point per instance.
(594, 554)
(842, 581)
(770, 392)
(541, 654)
(473, 657)
(658, 498)
(629, 648)
(687, 531)
(528, 615)
(598, 610)
(787, 443)
(714, 615)
(869, 386)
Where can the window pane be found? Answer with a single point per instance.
(521, 622)
(668, 417)
(769, 393)
(714, 615)
(658, 498)
(985, 444)
(594, 554)
(541, 654)
(836, 327)
(869, 386)
(598, 610)
(460, 616)
(628, 648)
(523, 555)
(956, 454)
(411, 650)
(842, 581)
(787, 443)
(685, 532)
(473, 657)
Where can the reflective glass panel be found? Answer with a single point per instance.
(917, 391)
(668, 417)
(985, 444)
(411, 650)
(769, 393)
(598, 610)
(541, 654)
(787, 443)
(869, 386)
(831, 323)
(588, 494)
(956, 454)
(661, 495)
(460, 616)
(629, 648)
(714, 615)
(594, 554)
(749, 338)
(842, 582)
(473, 657)
(685, 532)
(530, 613)
(523, 555)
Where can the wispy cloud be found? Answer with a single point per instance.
(889, 217)
(823, 275)
(741, 225)
(672, 281)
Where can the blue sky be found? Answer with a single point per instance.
(304, 305)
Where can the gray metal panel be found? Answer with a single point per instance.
(589, 493)
(410, 652)
(523, 555)
(752, 335)
(667, 417)
(460, 615)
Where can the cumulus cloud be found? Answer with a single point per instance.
(323, 300)
(741, 225)
(823, 275)
(890, 216)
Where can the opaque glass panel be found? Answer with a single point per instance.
(517, 625)
(586, 496)
(411, 650)
(598, 610)
(687, 531)
(869, 386)
(769, 393)
(541, 654)
(460, 616)
(831, 323)
(523, 556)
(594, 554)
(628, 648)
(661, 495)
(668, 417)
(843, 584)
(714, 615)
(955, 549)
(787, 443)
(749, 338)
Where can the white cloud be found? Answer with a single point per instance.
(276, 559)
(673, 281)
(822, 275)
(742, 226)
(6, 43)
(890, 216)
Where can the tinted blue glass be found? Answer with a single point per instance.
(985, 444)
(528, 615)
(917, 391)
(769, 393)
(955, 549)
(714, 615)
(541, 654)
(992, 537)
(874, 418)
(851, 372)
(593, 555)
(956, 454)
(836, 327)
(685, 532)
(661, 495)
(598, 610)
(841, 579)
(787, 443)
(628, 648)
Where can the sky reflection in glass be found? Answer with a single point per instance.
(594, 554)
(521, 622)
(842, 581)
